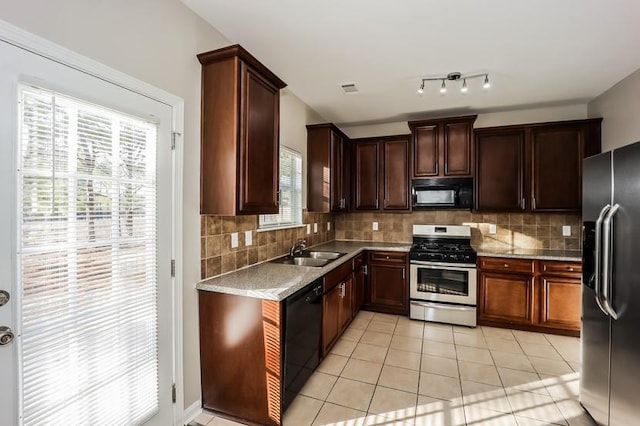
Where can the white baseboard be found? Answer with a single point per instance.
(191, 412)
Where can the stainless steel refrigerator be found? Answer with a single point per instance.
(610, 339)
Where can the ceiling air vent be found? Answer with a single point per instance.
(349, 88)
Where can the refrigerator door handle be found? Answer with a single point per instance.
(597, 275)
(607, 263)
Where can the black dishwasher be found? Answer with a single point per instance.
(303, 322)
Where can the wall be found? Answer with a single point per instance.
(530, 231)
(218, 257)
(294, 116)
(155, 41)
(489, 119)
(620, 108)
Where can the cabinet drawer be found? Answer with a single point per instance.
(388, 257)
(507, 264)
(565, 269)
(358, 261)
(333, 278)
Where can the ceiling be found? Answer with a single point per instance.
(537, 53)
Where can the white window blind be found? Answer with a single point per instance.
(87, 253)
(290, 192)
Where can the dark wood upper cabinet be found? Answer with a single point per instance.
(500, 171)
(395, 183)
(381, 173)
(366, 174)
(556, 155)
(443, 147)
(328, 159)
(239, 148)
(533, 167)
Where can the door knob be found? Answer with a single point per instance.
(6, 336)
(4, 297)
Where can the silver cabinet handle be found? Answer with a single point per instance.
(533, 204)
(598, 268)
(523, 204)
(607, 264)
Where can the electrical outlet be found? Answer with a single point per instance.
(315, 228)
(375, 226)
(308, 228)
(328, 226)
(234, 239)
(566, 231)
(492, 228)
(248, 238)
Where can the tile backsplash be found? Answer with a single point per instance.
(217, 256)
(521, 230)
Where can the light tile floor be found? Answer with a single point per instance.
(389, 370)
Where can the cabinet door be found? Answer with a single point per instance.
(346, 301)
(396, 174)
(367, 181)
(425, 151)
(506, 298)
(331, 303)
(388, 288)
(557, 154)
(336, 173)
(500, 171)
(457, 148)
(560, 302)
(259, 144)
(359, 278)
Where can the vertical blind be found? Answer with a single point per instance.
(290, 191)
(87, 253)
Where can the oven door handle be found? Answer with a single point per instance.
(439, 306)
(451, 266)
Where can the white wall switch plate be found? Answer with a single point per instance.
(248, 238)
(315, 228)
(328, 226)
(566, 231)
(375, 226)
(492, 228)
(308, 228)
(234, 239)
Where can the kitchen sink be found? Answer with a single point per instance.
(310, 258)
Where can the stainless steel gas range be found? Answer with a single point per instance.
(442, 279)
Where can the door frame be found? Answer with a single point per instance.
(52, 51)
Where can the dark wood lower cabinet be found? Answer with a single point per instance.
(530, 295)
(331, 306)
(337, 304)
(387, 287)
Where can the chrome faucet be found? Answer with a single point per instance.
(298, 247)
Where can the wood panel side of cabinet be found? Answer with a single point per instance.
(259, 144)
(425, 151)
(219, 137)
(500, 171)
(396, 174)
(318, 160)
(506, 297)
(560, 302)
(457, 148)
(367, 176)
(249, 385)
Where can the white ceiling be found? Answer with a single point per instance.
(537, 52)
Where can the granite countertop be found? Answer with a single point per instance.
(539, 254)
(275, 281)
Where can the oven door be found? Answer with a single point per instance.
(443, 282)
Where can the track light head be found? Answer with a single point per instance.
(464, 88)
(443, 88)
(421, 89)
(486, 84)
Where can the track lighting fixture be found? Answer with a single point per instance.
(455, 76)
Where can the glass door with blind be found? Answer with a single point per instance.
(85, 205)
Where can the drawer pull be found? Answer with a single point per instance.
(387, 257)
(570, 269)
(506, 265)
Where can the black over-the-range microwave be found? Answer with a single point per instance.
(453, 193)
